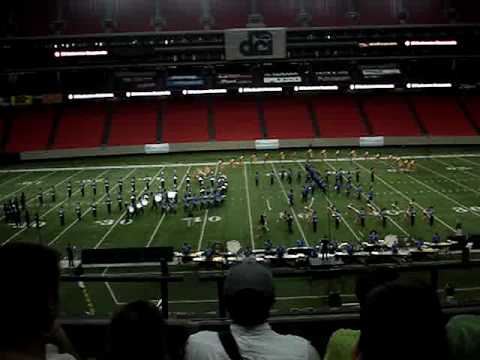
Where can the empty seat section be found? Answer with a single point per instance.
(279, 12)
(230, 14)
(2, 130)
(185, 121)
(377, 12)
(442, 116)
(84, 16)
(135, 16)
(81, 126)
(473, 106)
(329, 13)
(287, 118)
(134, 124)
(30, 129)
(390, 116)
(236, 119)
(338, 117)
(184, 16)
(425, 12)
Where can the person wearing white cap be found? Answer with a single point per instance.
(249, 295)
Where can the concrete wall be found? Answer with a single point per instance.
(246, 145)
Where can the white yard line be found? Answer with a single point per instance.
(204, 225)
(57, 184)
(407, 198)
(293, 210)
(355, 235)
(441, 194)
(447, 178)
(401, 228)
(115, 224)
(451, 165)
(155, 231)
(250, 219)
(26, 186)
(469, 161)
(86, 212)
(168, 165)
(47, 212)
(18, 177)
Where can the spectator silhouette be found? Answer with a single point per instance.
(137, 331)
(29, 275)
(463, 332)
(249, 296)
(342, 343)
(401, 320)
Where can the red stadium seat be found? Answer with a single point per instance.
(84, 16)
(182, 17)
(2, 130)
(389, 116)
(236, 119)
(230, 14)
(135, 16)
(81, 126)
(287, 118)
(279, 12)
(185, 121)
(442, 116)
(31, 129)
(338, 117)
(134, 124)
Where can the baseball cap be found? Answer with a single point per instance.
(249, 275)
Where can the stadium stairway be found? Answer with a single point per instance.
(338, 117)
(261, 117)
(389, 115)
(107, 126)
(81, 126)
(211, 120)
(313, 117)
(236, 119)
(161, 105)
(363, 116)
(288, 118)
(31, 129)
(470, 107)
(442, 116)
(415, 116)
(56, 121)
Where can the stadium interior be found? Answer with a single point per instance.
(239, 93)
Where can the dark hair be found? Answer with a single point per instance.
(368, 281)
(137, 331)
(29, 277)
(249, 307)
(401, 321)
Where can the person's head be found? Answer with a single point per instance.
(137, 331)
(368, 281)
(463, 332)
(29, 277)
(401, 320)
(249, 293)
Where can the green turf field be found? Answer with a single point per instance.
(446, 178)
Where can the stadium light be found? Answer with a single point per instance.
(148, 93)
(204, 92)
(378, 44)
(432, 85)
(316, 88)
(371, 86)
(80, 53)
(90, 96)
(431, 43)
(260, 90)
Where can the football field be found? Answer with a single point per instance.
(447, 179)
